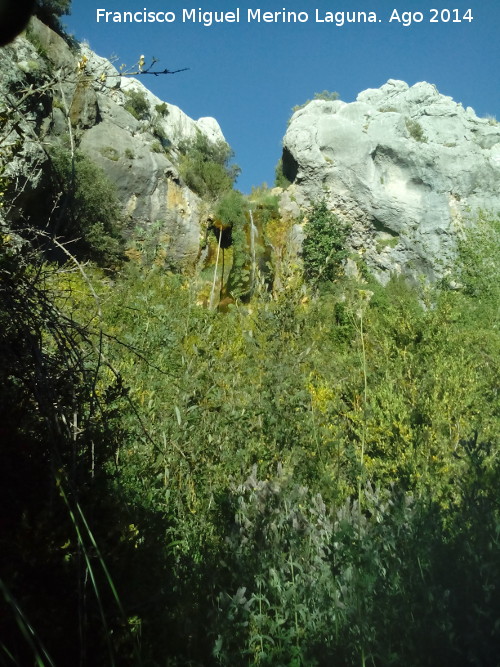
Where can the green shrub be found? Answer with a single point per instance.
(375, 543)
(265, 205)
(56, 7)
(305, 583)
(231, 212)
(37, 43)
(478, 267)
(324, 246)
(156, 146)
(88, 214)
(205, 166)
(110, 153)
(162, 109)
(415, 130)
(136, 104)
(280, 599)
(327, 96)
(231, 209)
(324, 95)
(58, 416)
(381, 244)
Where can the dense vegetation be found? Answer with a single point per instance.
(310, 478)
(205, 166)
(324, 249)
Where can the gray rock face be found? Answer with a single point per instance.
(408, 168)
(138, 151)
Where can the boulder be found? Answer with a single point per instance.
(406, 166)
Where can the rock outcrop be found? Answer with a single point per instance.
(116, 121)
(408, 168)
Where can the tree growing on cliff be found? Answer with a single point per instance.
(206, 166)
(87, 209)
(50, 11)
(324, 247)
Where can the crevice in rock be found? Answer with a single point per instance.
(290, 165)
(380, 227)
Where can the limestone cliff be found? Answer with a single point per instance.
(58, 93)
(405, 165)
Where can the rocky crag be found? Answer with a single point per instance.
(56, 92)
(406, 166)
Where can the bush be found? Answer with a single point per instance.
(205, 166)
(478, 268)
(58, 429)
(160, 134)
(88, 214)
(231, 209)
(280, 599)
(136, 104)
(291, 568)
(110, 153)
(56, 7)
(324, 246)
(156, 146)
(324, 95)
(162, 109)
(415, 130)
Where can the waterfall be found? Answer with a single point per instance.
(253, 234)
(211, 302)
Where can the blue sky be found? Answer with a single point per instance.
(249, 75)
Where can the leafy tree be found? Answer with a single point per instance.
(231, 209)
(57, 7)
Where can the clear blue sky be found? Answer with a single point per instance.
(249, 75)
